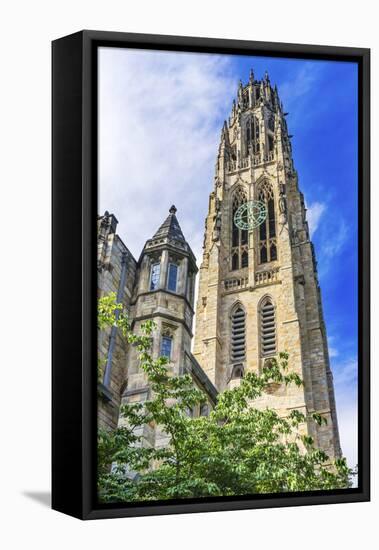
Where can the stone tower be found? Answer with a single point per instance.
(258, 289)
(164, 293)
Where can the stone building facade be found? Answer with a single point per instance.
(117, 270)
(159, 286)
(258, 290)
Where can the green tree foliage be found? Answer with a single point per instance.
(236, 450)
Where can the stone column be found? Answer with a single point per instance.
(164, 268)
(183, 271)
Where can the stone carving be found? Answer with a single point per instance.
(205, 234)
(282, 204)
(217, 220)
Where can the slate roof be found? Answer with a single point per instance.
(170, 227)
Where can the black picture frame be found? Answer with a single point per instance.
(74, 204)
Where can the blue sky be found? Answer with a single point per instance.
(160, 117)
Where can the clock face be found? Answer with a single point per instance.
(250, 215)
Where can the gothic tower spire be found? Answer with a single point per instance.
(258, 289)
(163, 293)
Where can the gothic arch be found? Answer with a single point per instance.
(266, 232)
(237, 305)
(271, 122)
(239, 257)
(251, 134)
(270, 144)
(264, 298)
(237, 339)
(238, 191)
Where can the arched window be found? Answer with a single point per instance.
(233, 152)
(246, 99)
(172, 277)
(155, 271)
(237, 372)
(271, 123)
(166, 346)
(237, 344)
(267, 327)
(251, 136)
(239, 237)
(267, 230)
(270, 140)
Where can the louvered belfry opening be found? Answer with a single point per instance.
(238, 338)
(268, 330)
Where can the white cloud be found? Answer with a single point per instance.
(345, 373)
(348, 429)
(314, 213)
(294, 92)
(332, 239)
(345, 385)
(160, 118)
(301, 83)
(336, 241)
(333, 351)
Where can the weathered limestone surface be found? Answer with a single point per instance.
(113, 257)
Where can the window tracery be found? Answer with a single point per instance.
(239, 237)
(252, 144)
(267, 230)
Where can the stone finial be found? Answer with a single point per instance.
(251, 75)
(173, 209)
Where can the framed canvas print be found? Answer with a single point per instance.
(210, 275)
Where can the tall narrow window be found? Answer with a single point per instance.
(154, 276)
(234, 152)
(268, 328)
(166, 346)
(239, 237)
(267, 230)
(172, 277)
(270, 144)
(271, 123)
(252, 136)
(238, 336)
